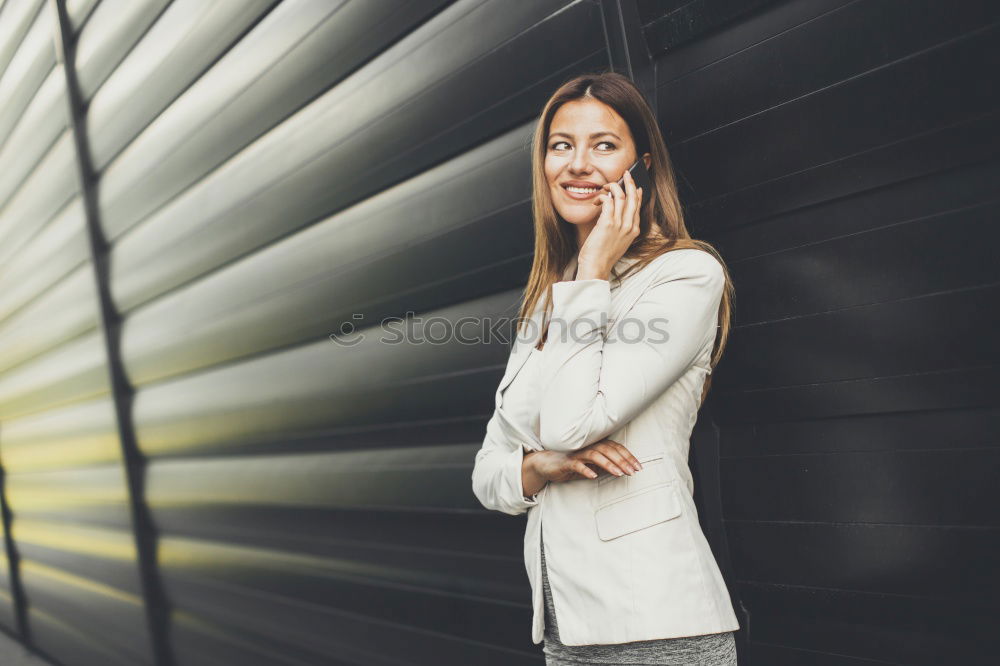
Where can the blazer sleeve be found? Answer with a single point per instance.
(496, 476)
(591, 386)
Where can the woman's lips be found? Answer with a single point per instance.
(581, 196)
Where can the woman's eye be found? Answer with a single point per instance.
(555, 146)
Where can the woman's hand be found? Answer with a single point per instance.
(614, 231)
(606, 454)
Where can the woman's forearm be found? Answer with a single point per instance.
(593, 382)
(531, 481)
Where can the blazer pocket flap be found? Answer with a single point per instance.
(637, 511)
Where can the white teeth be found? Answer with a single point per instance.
(582, 190)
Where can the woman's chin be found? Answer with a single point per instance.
(579, 215)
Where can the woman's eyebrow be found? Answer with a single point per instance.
(592, 136)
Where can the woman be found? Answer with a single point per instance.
(593, 416)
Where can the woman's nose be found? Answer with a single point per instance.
(580, 163)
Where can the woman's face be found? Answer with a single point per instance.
(588, 145)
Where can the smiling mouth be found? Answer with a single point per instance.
(581, 192)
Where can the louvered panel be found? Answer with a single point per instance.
(73, 371)
(49, 187)
(853, 192)
(850, 128)
(86, 579)
(295, 229)
(80, 435)
(70, 644)
(268, 569)
(62, 470)
(110, 33)
(671, 24)
(376, 259)
(50, 498)
(59, 248)
(16, 18)
(309, 165)
(694, 106)
(64, 312)
(297, 51)
(312, 386)
(187, 39)
(37, 177)
(33, 135)
(31, 60)
(73, 529)
(888, 239)
(856, 623)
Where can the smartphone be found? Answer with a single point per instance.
(640, 175)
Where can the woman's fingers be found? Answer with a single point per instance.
(581, 468)
(633, 196)
(607, 455)
(625, 453)
(618, 198)
(610, 460)
(607, 206)
(621, 457)
(618, 449)
(627, 204)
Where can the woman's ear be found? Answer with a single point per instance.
(647, 159)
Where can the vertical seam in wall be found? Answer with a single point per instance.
(625, 40)
(134, 464)
(642, 67)
(13, 561)
(626, 45)
(609, 47)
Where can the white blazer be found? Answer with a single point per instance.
(625, 556)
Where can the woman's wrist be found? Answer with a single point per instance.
(531, 481)
(587, 270)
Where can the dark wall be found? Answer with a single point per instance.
(193, 472)
(843, 156)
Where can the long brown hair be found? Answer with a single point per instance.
(661, 228)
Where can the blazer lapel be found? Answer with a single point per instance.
(518, 355)
(522, 347)
(620, 298)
